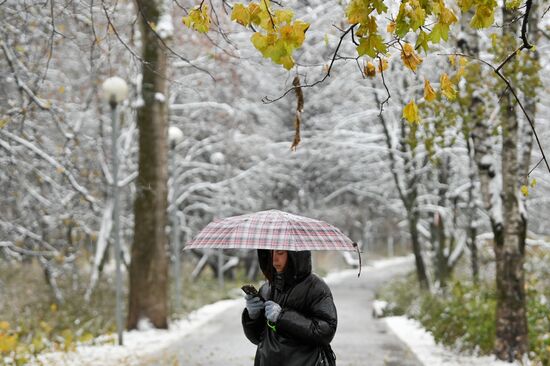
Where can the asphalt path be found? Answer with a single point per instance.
(360, 340)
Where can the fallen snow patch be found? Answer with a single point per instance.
(137, 344)
(423, 345)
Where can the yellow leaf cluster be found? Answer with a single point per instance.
(198, 19)
(8, 343)
(410, 57)
(278, 36)
(525, 190)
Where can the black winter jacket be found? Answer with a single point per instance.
(308, 318)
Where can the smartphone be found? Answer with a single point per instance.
(251, 290)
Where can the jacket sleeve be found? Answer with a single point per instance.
(318, 325)
(253, 328)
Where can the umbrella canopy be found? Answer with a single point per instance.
(273, 230)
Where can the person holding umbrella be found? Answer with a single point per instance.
(297, 321)
(292, 319)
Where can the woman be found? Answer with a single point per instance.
(297, 321)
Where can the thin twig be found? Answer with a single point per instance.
(385, 101)
(50, 41)
(266, 100)
(111, 24)
(270, 16)
(535, 167)
(353, 39)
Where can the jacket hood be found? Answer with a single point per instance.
(297, 268)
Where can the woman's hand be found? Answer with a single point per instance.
(272, 311)
(254, 306)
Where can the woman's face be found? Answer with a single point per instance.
(280, 259)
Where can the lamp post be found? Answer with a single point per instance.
(219, 159)
(115, 91)
(175, 136)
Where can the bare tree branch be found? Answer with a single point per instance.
(266, 100)
(82, 190)
(512, 90)
(22, 86)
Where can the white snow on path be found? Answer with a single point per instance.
(423, 345)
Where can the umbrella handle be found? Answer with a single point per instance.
(272, 326)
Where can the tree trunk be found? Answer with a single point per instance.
(512, 340)
(472, 221)
(417, 250)
(511, 327)
(148, 296)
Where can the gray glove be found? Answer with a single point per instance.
(272, 311)
(254, 305)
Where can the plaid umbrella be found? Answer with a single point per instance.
(272, 229)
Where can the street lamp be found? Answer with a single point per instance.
(218, 158)
(175, 136)
(115, 90)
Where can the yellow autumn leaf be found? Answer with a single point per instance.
(283, 16)
(255, 13)
(447, 87)
(525, 190)
(533, 182)
(287, 62)
(370, 70)
(4, 325)
(410, 57)
(61, 89)
(53, 308)
(410, 112)
(240, 14)
(391, 27)
(429, 92)
(383, 65)
(483, 17)
(447, 16)
(8, 343)
(3, 123)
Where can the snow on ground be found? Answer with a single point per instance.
(428, 352)
(138, 345)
